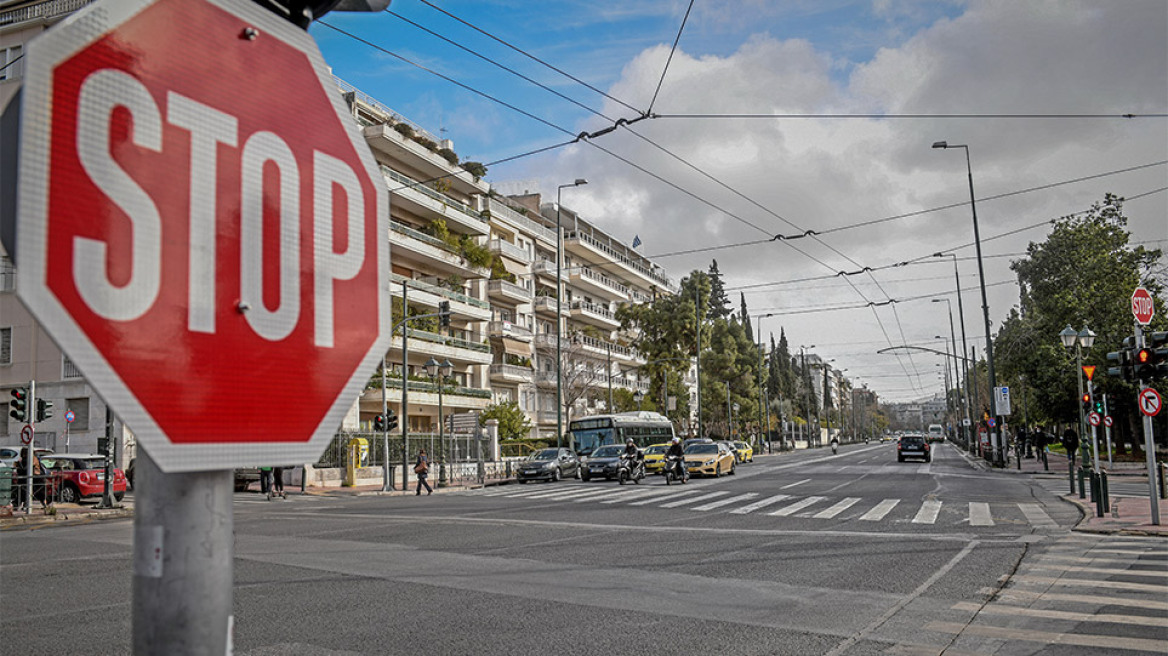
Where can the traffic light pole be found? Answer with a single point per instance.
(30, 454)
(1149, 445)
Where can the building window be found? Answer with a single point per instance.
(80, 409)
(6, 345)
(10, 68)
(7, 275)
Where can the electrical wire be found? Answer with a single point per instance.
(668, 61)
(908, 116)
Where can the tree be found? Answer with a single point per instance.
(582, 376)
(719, 303)
(746, 319)
(1083, 274)
(513, 422)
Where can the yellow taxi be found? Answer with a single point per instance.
(655, 458)
(709, 459)
(744, 451)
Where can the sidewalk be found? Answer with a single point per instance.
(1128, 516)
(61, 514)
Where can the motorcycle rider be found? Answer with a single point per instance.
(633, 456)
(676, 454)
(834, 445)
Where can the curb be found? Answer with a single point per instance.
(17, 523)
(1087, 513)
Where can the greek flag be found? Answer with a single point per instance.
(636, 241)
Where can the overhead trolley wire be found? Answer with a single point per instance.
(670, 59)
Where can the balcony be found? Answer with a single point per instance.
(508, 292)
(589, 246)
(603, 347)
(383, 138)
(545, 304)
(426, 394)
(508, 250)
(415, 245)
(510, 373)
(466, 308)
(440, 346)
(417, 198)
(598, 284)
(508, 329)
(594, 314)
(537, 230)
(546, 268)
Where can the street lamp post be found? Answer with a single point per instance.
(995, 436)
(441, 371)
(560, 313)
(964, 346)
(1083, 339)
(963, 385)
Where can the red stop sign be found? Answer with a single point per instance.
(1143, 309)
(201, 227)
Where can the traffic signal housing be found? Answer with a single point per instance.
(1122, 365)
(390, 421)
(379, 423)
(1152, 360)
(18, 406)
(1086, 401)
(44, 409)
(444, 314)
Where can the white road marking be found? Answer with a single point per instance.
(928, 512)
(726, 502)
(787, 487)
(636, 495)
(979, 514)
(1048, 637)
(683, 502)
(883, 508)
(1003, 609)
(757, 505)
(837, 508)
(796, 507)
(655, 498)
(1037, 516)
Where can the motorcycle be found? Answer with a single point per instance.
(675, 470)
(834, 448)
(631, 469)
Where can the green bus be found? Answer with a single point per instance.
(645, 428)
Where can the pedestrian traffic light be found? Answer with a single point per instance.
(379, 423)
(390, 421)
(444, 314)
(44, 409)
(19, 405)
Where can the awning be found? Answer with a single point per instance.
(516, 347)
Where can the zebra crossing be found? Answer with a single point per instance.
(929, 511)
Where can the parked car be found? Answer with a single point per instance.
(603, 462)
(655, 458)
(245, 477)
(9, 455)
(78, 476)
(709, 459)
(913, 446)
(745, 451)
(549, 465)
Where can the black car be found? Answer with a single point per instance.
(913, 446)
(548, 465)
(603, 462)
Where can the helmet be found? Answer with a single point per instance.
(629, 442)
(676, 439)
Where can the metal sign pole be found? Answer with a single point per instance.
(1107, 428)
(182, 595)
(1149, 444)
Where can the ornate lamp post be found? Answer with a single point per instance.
(560, 313)
(440, 371)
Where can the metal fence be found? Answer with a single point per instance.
(454, 458)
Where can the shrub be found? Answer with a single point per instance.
(476, 169)
(404, 129)
(428, 144)
(449, 156)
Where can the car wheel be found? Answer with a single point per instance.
(732, 470)
(556, 474)
(522, 482)
(69, 493)
(577, 474)
(899, 459)
(718, 470)
(118, 496)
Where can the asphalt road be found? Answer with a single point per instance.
(803, 553)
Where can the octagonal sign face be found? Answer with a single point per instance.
(201, 228)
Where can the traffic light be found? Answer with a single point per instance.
(379, 424)
(444, 314)
(390, 421)
(19, 405)
(103, 445)
(1152, 360)
(44, 409)
(1086, 401)
(1122, 365)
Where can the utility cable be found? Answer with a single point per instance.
(909, 116)
(668, 61)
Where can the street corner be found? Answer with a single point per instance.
(61, 514)
(1128, 516)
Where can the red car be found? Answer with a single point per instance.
(78, 476)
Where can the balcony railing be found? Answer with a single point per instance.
(511, 370)
(621, 257)
(593, 309)
(599, 279)
(41, 11)
(547, 303)
(505, 287)
(508, 329)
(441, 291)
(438, 196)
(392, 383)
(545, 267)
(507, 249)
(605, 346)
(421, 236)
(499, 209)
(427, 336)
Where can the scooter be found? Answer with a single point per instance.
(675, 470)
(834, 448)
(631, 469)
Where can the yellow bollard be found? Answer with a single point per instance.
(352, 453)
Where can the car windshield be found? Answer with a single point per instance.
(741, 445)
(702, 449)
(608, 451)
(544, 454)
(912, 441)
(587, 441)
(657, 448)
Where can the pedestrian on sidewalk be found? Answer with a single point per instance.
(1071, 444)
(1040, 440)
(278, 482)
(422, 469)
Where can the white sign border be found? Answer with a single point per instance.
(42, 55)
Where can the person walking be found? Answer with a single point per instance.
(422, 469)
(1071, 444)
(1040, 439)
(278, 482)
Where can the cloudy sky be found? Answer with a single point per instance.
(688, 180)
